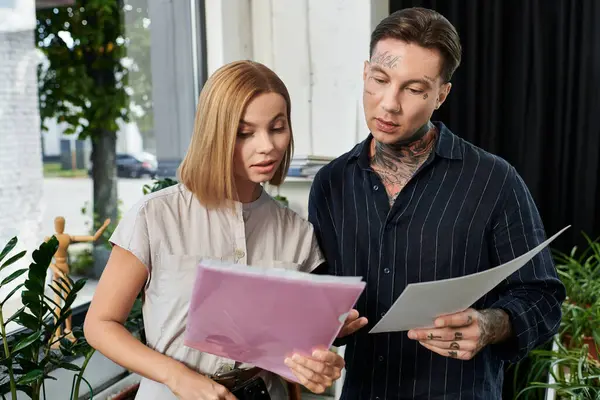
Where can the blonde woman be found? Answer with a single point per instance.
(242, 138)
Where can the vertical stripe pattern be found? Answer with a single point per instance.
(465, 211)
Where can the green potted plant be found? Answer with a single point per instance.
(27, 356)
(581, 310)
(573, 373)
(158, 184)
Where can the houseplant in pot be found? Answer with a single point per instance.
(580, 273)
(27, 356)
(574, 374)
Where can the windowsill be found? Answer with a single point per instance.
(297, 179)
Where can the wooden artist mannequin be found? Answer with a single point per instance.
(60, 266)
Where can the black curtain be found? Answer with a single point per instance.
(528, 90)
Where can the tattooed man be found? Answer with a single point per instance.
(413, 203)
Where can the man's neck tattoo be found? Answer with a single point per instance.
(396, 163)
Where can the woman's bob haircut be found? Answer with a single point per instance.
(207, 169)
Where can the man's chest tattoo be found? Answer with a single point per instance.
(395, 180)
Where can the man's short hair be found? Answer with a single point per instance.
(426, 28)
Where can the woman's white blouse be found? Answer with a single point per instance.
(169, 231)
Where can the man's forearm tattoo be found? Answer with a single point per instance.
(495, 326)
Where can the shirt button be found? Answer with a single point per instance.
(382, 314)
(386, 271)
(380, 358)
(239, 254)
(375, 187)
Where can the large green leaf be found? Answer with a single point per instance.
(61, 286)
(11, 293)
(13, 276)
(29, 321)
(77, 286)
(52, 302)
(15, 315)
(8, 247)
(34, 285)
(13, 259)
(59, 293)
(28, 341)
(64, 314)
(25, 363)
(30, 377)
(69, 366)
(33, 302)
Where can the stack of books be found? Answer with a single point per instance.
(305, 166)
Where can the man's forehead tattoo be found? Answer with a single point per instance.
(385, 59)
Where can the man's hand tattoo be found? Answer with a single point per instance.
(454, 346)
(458, 335)
(453, 354)
(432, 336)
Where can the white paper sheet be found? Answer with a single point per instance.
(421, 303)
(281, 273)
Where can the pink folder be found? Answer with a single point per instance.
(262, 315)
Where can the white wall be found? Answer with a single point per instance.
(316, 46)
(21, 176)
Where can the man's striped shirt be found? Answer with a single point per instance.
(464, 211)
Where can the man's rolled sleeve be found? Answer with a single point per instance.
(533, 295)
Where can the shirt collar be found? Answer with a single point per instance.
(448, 146)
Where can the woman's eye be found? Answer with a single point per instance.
(244, 135)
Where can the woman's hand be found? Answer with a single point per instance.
(318, 372)
(190, 385)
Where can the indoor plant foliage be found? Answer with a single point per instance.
(581, 310)
(27, 356)
(575, 375)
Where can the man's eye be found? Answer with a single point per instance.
(415, 91)
(380, 81)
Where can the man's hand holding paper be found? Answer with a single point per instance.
(462, 335)
(422, 303)
(353, 323)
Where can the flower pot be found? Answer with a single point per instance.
(128, 393)
(592, 345)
